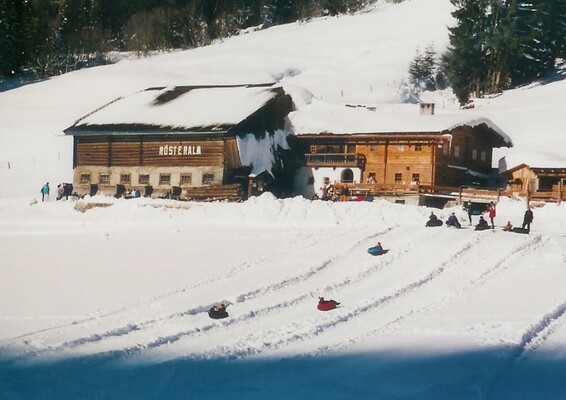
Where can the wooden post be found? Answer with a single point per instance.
(559, 192)
(460, 197)
(498, 194)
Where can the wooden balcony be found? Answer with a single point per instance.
(332, 160)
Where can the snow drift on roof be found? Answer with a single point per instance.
(319, 117)
(183, 107)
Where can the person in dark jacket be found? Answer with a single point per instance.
(453, 221)
(218, 311)
(527, 219)
(433, 220)
(482, 224)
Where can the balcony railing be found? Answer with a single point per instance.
(331, 160)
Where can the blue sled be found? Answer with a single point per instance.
(374, 251)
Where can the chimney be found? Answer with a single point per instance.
(426, 108)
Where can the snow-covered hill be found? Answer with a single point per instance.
(112, 303)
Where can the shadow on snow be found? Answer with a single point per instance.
(489, 374)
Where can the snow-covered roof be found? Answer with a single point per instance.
(532, 159)
(317, 118)
(181, 108)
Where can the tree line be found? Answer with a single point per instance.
(498, 44)
(494, 45)
(50, 37)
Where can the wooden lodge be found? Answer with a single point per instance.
(544, 183)
(183, 141)
(365, 152)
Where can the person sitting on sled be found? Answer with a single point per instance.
(508, 227)
(482, 224)
(378, 247)
(453, 221)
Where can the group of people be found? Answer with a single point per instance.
(483, 223)
(62, 191)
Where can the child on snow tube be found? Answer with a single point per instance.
(326, 305)
(218, 311)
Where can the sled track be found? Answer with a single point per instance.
(133, 327)
(505, 262)
(247, 265)
(302, 334)
(297, 329)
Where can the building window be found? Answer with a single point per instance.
(483, 155)
(207, 179)
(474, 154)
(85, 178)
(186, 179)
(143, 179)
(418, 147)
(445, 149)
(398, 177)
(164, 179)
(416, 177)
(125, 179)
(104, 178)
(456, 151)
(400, 148)
(313, 149)
(373, 147)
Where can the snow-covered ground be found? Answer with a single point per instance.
(112, 303)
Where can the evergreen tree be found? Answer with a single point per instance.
(10, 44)
(423, 70)
(465, 61)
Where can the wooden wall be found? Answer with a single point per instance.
(141, 151)
(398, 157)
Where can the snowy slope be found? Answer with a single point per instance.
(112, 303)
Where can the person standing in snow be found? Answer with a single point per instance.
(491, 213)
(60, 191)
(45, 192)
(527, 219)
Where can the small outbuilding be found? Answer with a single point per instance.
(538, 181)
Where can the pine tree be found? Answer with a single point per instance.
(465, 61)
(10, 51)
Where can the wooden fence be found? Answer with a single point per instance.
(462, 193)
